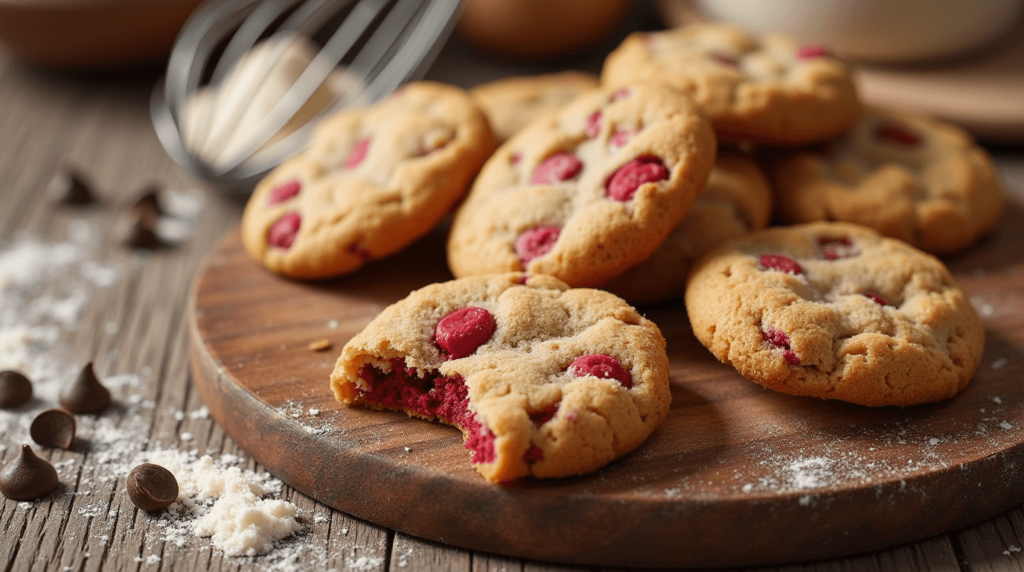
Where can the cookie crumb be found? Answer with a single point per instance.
(321, 345)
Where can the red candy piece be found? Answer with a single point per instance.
(620, 138)
(834, 248)
(811, 52)
(535, 242)
(557, 168)
(602, 366)
(533, 455)
(283, 192)
(463, 331)
(877, 298)
(780, 263)
(622, 185)
(593, 124)
(282, 233)
(898, 134)
(778, 339)
(358, 153)
(622, 94)
(724, 59)
(516, 158)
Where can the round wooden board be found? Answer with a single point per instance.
(737, 475)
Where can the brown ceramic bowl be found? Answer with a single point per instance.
(91, 34)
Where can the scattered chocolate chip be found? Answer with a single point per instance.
(87, 394)
(28, 477)
(152, 487)
(15, 389)
(321, 345)
(71, 188)
(142, 233)
(53, 428)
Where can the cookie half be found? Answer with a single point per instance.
(767, 89)
(587, 192)
(371, 182)
(836, 311)
(917, 179)
(736, 200)
(512, 103)
(542, 379)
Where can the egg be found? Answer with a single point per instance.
(538, 29)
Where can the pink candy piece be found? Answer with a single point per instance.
(620, 138)
(602, 366)
(622, 185)
(778, 339)
(515, 158)
(557, 168)
(622, 94)
(811, 52)
(898, 134)
(282, 233)
(877, 298)
(780, 263)
(834, 248)
(724, 59)
(533, 455)
(463, 331)
(593, 124)
(358, 153)
(535, 242)
(283, 192)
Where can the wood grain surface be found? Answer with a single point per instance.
(102, 125)
(736, 475)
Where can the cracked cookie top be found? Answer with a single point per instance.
(371, 181)
(587, 192)
(836, 311)
(512, 103)
(922, 181)
(767, 89)
(542, 379)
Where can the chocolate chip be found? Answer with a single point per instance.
(87, 394)
(28, 477)
(53, 428)
(152, 487)
(71, 188)
(142, 233)
(15, 389)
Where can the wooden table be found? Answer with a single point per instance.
(102, 125)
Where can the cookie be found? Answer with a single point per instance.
(512, 103)
(542, 379)
(736, 200)
(587, 192)
(767, 89)
(371, 181)
(909, 177)
(836, 311)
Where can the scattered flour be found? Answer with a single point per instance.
(1011, 549)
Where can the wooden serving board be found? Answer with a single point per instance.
(737, 475)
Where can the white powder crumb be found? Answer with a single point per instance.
(1006, 426)
(811, 473)
(999, 363)
(366, 563)
(314, 411)
(333, 324)
(67, 568)
(139, 559)
(673, 492)
(747, 488)
(805, 500)
(201, 413)
(182, 203)
(187, 436)
(153, 559)
(25, 505)
(230, 459)
(933, 441)
(179, 415)
(996, 400)
(986, 310)
(344, 531)
(1011, 549)
(408, 449)
(320, 519)
(111, 328)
